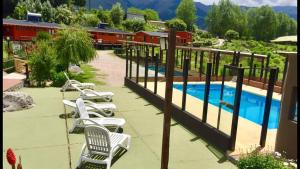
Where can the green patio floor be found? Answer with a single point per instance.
(39, 135)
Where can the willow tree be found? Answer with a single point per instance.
(74, 45)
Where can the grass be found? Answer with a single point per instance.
(90, 75)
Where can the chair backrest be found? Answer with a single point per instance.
(66, 76)
(97, 140)
(80, 106)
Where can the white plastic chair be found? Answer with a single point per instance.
(106, 109)
(88, 94)
(69, 85)
(101, 145)
(85, 119)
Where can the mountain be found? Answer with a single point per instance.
(167, 8)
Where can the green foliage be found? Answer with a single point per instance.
(203, 42)
(262, 23)
(42, 63)
(256, 161)
(117, 13)
(20, 12)
(79, 2)
(186, 11)
(176, 23)
(74, 45)
(43, 36)
(225, 16)
(149, 14)
(231, 34)
(58, 79)
(104, 15)
(63, 15)
(134, 25)
(47, 12)
(90, 20)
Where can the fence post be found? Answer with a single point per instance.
(201, 64)
(254, 72)
(168, 100)
(137, 65)
(196, 58)
(268, 103)
(156, 73)
(146, 67)
(217, 64)
(221, 96)
(181, 59)
(284, 72)
(130, 64)
(206, 94)
(266, 70)
(236, 107)
(185, 79)
(126, 54)
(251, 65)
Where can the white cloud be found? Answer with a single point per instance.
(255, 2)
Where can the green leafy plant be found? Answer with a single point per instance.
(58, 79)
(74, 45)
(176, 23)
(42, 63)
(134, 25)
(231, 34)
(43, 36)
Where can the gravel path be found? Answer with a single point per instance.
(113, 67)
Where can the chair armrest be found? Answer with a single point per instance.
(96, 114)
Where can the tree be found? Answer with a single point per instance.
(151, 14)
(47, 12)
(231, 34)
(80, 2)
(20, 11)
(42, 63)
(116, 13)
(225, 16)
(262, 22)
(134, 25)
(176, 23)
(74, 45)
(63, 15)
(186, 11)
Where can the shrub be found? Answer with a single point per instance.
(176, 23)
(43, 36)
(257, 161)
(134, 25)
(205, 35)
(231, 34)
(42, 63)
(58, 79)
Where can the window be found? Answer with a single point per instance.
(294, 105)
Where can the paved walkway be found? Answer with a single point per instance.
(40, 135)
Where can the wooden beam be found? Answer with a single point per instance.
(168, 100)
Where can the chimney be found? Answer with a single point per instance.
(34, 17)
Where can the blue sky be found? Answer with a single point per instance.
(255, 2)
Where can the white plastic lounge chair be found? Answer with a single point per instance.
(85, 119)
(106, 109)
(88, 94)
(71, 83)
(101, 145)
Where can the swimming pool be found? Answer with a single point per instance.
(251, 105)
(161, 69)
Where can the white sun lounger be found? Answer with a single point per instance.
(88, 94)
(101, 145)
(106, 109)
(85, 119)
(69, 85)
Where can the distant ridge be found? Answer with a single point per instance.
(167, 8)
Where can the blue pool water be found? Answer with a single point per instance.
(161, 69)
(251, 105)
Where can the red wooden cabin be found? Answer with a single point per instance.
(183, 37)
(22, 30)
